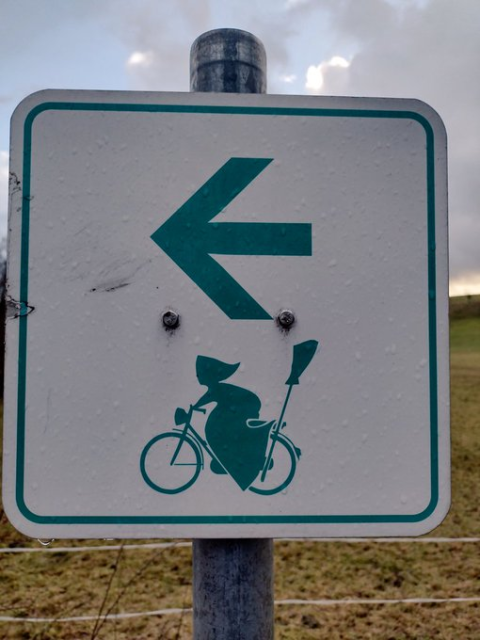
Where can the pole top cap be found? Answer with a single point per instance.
(228, 60)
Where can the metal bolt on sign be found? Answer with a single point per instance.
(232, 579)
(286, 319)
(171, 319)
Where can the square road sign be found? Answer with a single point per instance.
(155, 239)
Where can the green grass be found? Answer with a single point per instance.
(55, 584)
(465, 336)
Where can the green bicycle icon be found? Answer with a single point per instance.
(172, 461)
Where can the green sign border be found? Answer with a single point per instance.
(232, 111)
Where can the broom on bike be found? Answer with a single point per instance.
(302, 356)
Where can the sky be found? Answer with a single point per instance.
(425, 49)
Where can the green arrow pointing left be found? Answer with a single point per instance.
(188, 237)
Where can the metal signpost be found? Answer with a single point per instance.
(228, 315)
(229, 599)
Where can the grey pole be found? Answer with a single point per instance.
(233, 589)
(232, 579)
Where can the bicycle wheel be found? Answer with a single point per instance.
(166, 473)
(282, 472)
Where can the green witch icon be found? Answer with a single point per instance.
(239, 448)
(255, 453)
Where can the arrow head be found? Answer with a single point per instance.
(188, 238)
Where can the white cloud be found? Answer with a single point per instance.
(140, 59)
(315, 78)
(467, 284)
(290, 4)
(338, 61)
(288, 78)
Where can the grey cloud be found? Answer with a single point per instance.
(465, 234)
(431, 53)
(166, 35)
(276, 33)
(427, 49)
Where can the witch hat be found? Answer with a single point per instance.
(211, 370)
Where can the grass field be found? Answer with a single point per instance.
(56, 584)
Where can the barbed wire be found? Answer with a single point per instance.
(280, 603)
(166, 545)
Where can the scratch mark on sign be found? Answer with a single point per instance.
(15, 184)
(109, 287)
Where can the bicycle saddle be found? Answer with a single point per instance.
(256, 423)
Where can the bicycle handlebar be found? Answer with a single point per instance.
(199, 409)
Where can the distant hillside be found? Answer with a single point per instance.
(464, 307)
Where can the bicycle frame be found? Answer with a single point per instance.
(189, 431)
(186, 433)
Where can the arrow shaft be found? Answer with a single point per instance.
(260, 239)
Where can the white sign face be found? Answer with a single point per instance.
(226, 210)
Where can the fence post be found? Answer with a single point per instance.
(232, 578)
